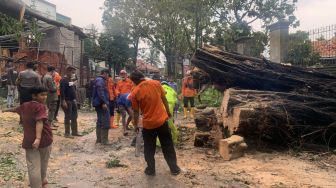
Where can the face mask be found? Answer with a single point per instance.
(123, 78)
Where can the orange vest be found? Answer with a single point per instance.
(111, 89)
(124, 86)
(188, 88)
(57, 80)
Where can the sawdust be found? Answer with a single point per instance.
(79, 162)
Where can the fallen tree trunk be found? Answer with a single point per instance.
(279, 116)
(229, 70)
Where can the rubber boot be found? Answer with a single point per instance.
(185, 112)
(74, 128)
(112, 125)
(192, 112)
(98, 134)
(104, 136)
(67, 130)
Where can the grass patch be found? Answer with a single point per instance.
(19, 129)
(8, 168)
(114, 163)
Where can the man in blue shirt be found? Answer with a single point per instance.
(100, 100)
(125, 105)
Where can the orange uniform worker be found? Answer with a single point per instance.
(149, 97)
(57, 79)
(188, 93)
(124, 85)
(113, 96)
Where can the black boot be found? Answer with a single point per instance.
(74, 129)
(67, 131)
(104, 136)
(98, 134)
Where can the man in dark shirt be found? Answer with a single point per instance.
(50, 85)
(26, 80)
(69, 104)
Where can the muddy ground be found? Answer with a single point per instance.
(81, 163)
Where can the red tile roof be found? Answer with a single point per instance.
(146, 67)
(326, 48)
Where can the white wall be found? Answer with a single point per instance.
(46, 9)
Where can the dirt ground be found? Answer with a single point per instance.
(81, 163)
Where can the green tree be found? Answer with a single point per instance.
(125, 18)
(115, 50)
(235, 18)
(260, 40)
(196, 17)
(301, 52)
(91, 48)
(153, 57)
(165, 31)
(177, 28)
(10, 26)
(249, 11)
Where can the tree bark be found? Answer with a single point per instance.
(277, 115)
(136, 49)
(229, 70)
(170, 57)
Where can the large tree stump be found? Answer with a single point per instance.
(278, 115)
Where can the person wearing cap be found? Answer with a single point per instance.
(101, 102)
(124, 86)
(50, 85)
(26, 80)
(188, 93)
(69, 104)
(148, 97)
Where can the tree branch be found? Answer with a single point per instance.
(248, 23)
(248, 10)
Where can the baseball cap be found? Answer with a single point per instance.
(70, 67)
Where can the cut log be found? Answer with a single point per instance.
(287, 116)
(229, 70)
(205, 119)
(203, 140)
(232, 147)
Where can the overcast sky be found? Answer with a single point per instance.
(311, 13)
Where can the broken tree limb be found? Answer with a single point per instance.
(229, 70)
